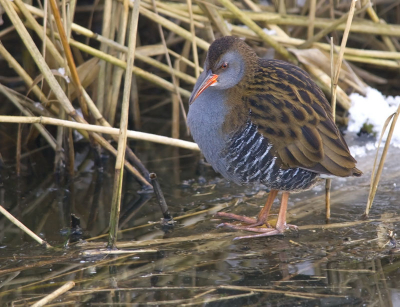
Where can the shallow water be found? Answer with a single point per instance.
(349, 262)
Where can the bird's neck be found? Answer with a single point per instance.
(238, 111)
(238, 114)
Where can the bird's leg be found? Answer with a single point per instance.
(262, 216)
(281, 222)
(280, 227)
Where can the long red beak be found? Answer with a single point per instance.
(205, 80)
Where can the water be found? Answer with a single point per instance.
(350, 262)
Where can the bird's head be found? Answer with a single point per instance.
(230, 61)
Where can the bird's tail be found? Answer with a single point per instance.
(356, 172)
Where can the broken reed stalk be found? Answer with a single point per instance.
(119, 164)
(23, 227)
(160, 198)
(335, 72)
(48, 298)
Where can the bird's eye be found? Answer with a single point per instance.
(224, 65)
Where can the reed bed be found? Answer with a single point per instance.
(148, 55)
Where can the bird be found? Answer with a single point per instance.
(264, 121)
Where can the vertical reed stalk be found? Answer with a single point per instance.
(119, 165)
(104, 48)
(135, 107)
(118, 71)
(58, 159)
(18, 154)
(335, 72)
(376, 177)
(194, 45)
(70, 152)
(333, 103)
(310, 30)
(175, 108)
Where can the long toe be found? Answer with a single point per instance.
(263, 232)
(293, 227)
(236, 217)
(287, 226)
(260, 223)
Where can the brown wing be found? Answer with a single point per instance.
(291, 111)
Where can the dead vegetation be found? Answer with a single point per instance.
(90, 67)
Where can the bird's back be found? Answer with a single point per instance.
(291, 111)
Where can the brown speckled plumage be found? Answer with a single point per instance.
(289, 109)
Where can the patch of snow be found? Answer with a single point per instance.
(243, 26)
(269, 32)
(61, 71)
(360, 151)
(373, 109)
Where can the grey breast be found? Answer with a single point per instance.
(245, 157)
(205, 119)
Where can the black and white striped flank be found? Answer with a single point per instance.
(249, 159)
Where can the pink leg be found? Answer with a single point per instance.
(280, 227)
(262, 216)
